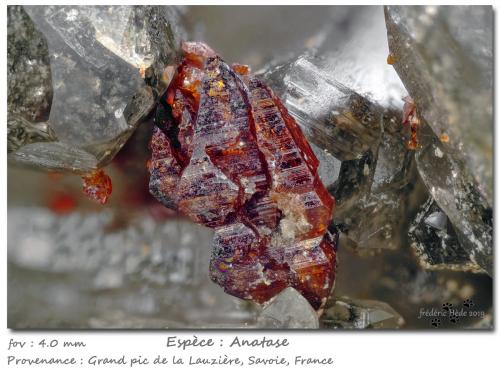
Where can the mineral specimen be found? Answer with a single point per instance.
(97, 186)
(134, 264)
(456, 193)
(338, 93)
(226, 154)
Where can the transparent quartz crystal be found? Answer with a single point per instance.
(288, 309)
(456, 193)
(447, 69)
(99, 57)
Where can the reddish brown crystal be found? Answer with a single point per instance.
(226, 154)
(97, 186)
(410, 119)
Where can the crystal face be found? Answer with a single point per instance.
(226, 154)
(78, 80)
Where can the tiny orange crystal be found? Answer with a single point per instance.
(240, 69)
(97, 186)
(444, 138)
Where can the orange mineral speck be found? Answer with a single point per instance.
(412, 145)
(241, 69)
(444, 138)
(390, 59)
(97, 186)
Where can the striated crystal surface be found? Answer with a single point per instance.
(288, 310)
(332, 115)
(227, 154)
(54, 156)
(348, 313)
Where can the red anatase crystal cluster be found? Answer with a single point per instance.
(97, 186)
(226, 154)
